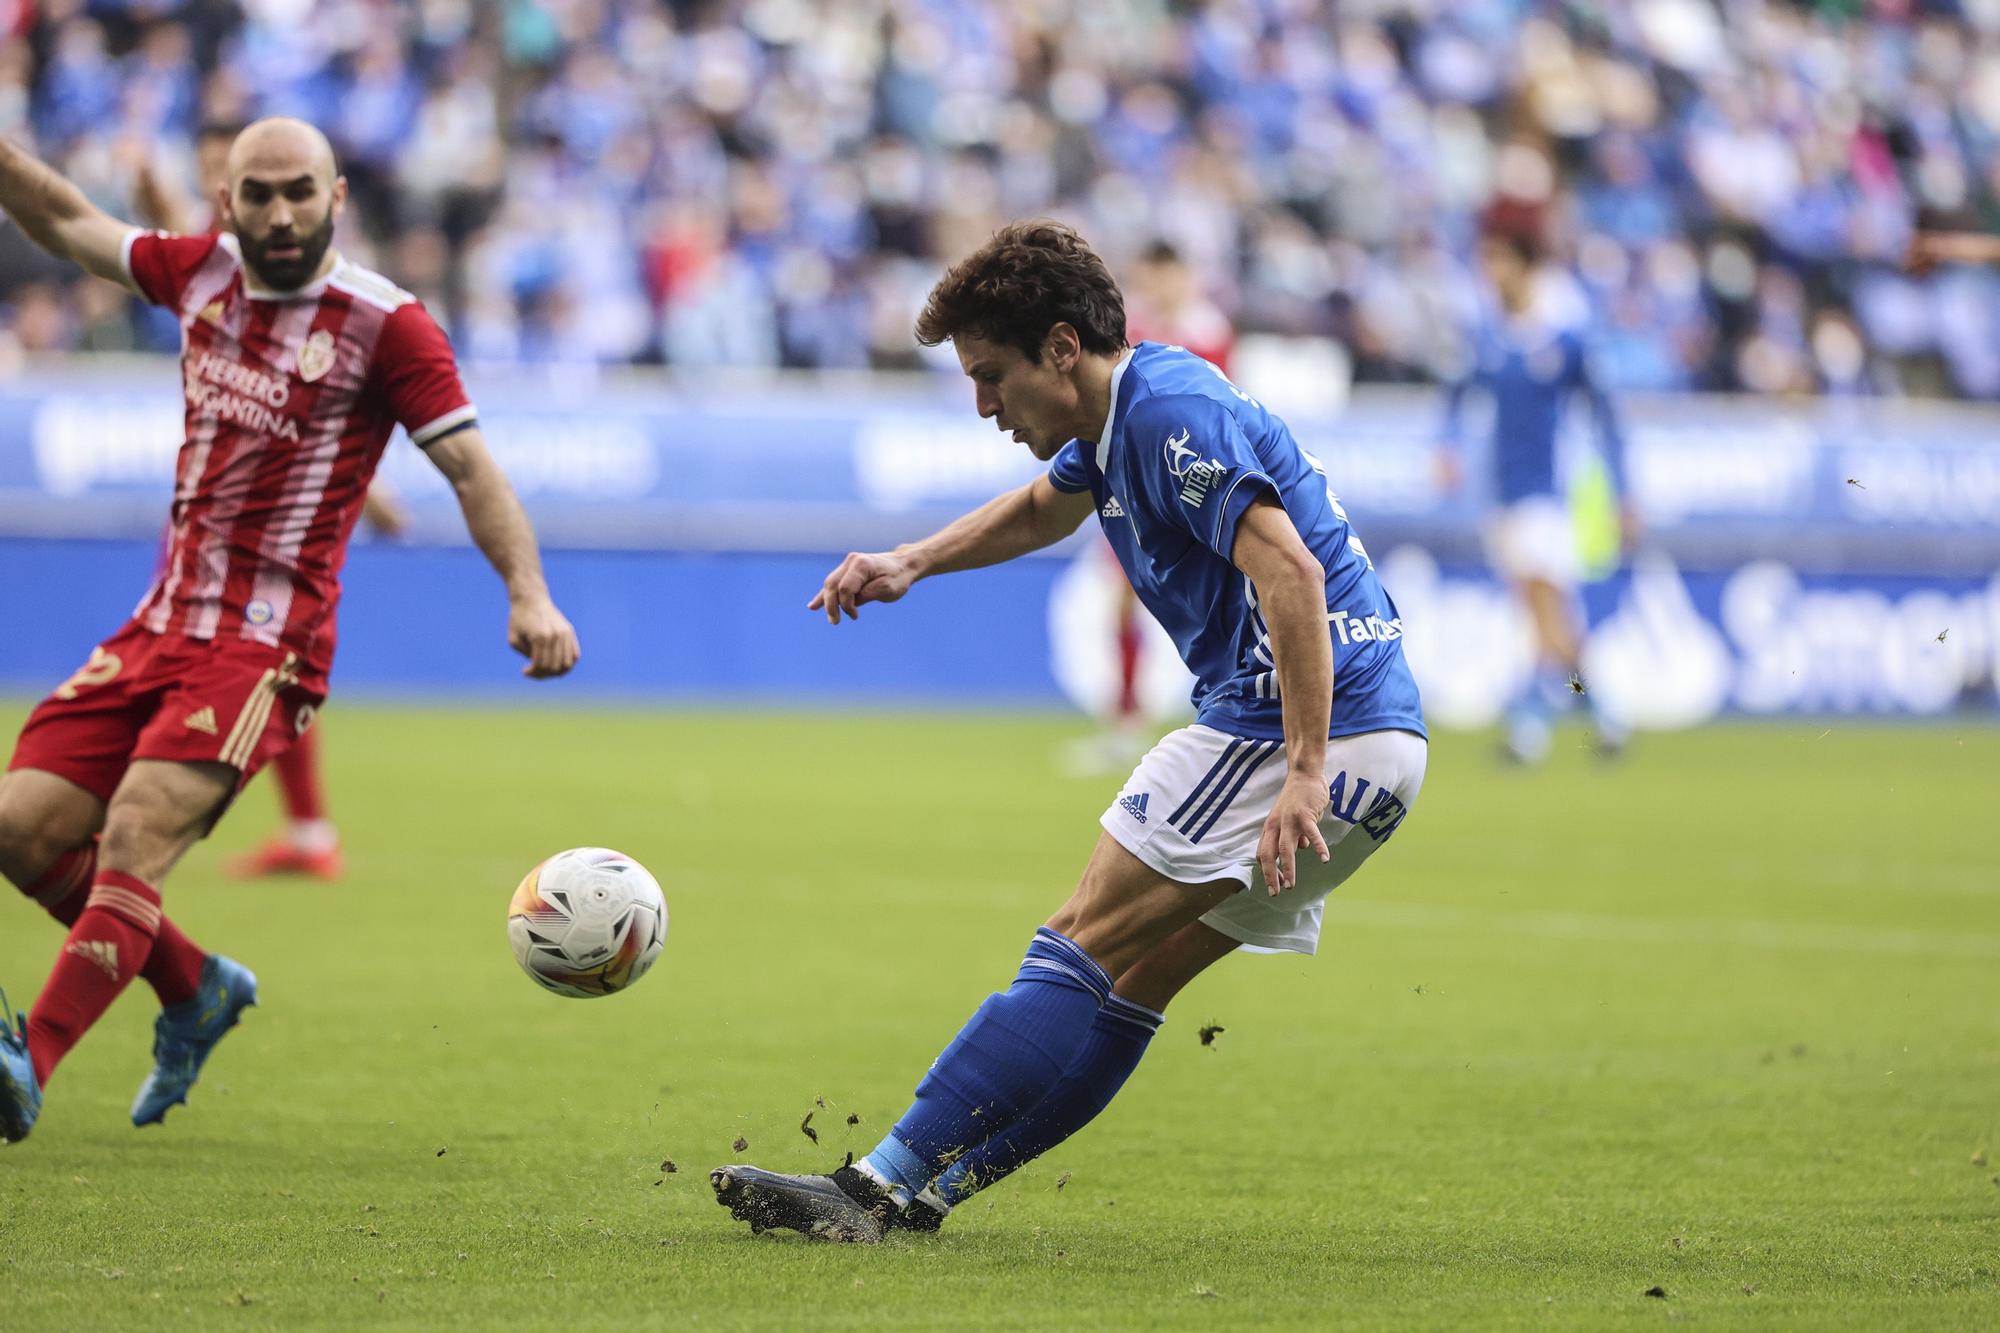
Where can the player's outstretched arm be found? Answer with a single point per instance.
(1928, 249)
(500, 528)
(1291, 594)
(57, 217)
(1010, 525)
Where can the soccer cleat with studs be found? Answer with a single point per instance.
(185, 1034)
(20, 1091)
(845, 1207)
(280, 856)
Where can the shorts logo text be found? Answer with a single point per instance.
(1381, 818)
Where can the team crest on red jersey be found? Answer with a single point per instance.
(316, 357)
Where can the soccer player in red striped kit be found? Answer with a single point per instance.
(297, 365)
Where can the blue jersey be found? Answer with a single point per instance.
(1531, 373)
(1183, 454)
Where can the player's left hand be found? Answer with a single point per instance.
(1293, 824)
(385, 513)
(540, 633)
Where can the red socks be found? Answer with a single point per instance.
(298, 778)
(173, 968)
(106, 948)
(1129, 641)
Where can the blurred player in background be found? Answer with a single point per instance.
(308, 844)
(1308, 734)
(1167, 306)
(296, 367)
(1532, 363)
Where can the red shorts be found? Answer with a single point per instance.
(154, 696)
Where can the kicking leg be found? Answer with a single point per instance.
(1005, 1060)
(1118, 1039)
(157, 813)
(49, 849)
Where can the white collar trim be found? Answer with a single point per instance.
(1111, 412)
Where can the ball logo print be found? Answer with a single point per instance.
(587, 922)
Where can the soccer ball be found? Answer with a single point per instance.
(587, 922)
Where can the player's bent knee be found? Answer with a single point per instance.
(37, 826)
(21, 850)
(159, 812)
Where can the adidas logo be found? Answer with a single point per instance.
(202, 719)
(1112, 509)
(1135, 806)
(104, 953)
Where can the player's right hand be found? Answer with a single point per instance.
(881, 577)
(543, 635)
(1292, 827)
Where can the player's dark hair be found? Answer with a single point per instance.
(220, 129)
(1160, 251)
(1030, 277)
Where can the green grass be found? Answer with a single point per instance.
(1724, 1020)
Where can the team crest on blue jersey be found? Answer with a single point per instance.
(1135, 805)
(1197, 475)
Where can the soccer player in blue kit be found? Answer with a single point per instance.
(1307, 750)
(1532, 366)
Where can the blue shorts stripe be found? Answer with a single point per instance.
(1229, 775)
(1242, 779)
(1228, 753)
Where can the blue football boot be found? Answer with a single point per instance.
(20, 1092)
(184, 1034)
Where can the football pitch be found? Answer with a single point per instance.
(1721, 1022)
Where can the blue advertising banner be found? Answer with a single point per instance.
(1830, 557)
(1670, 648)
(1847, 484)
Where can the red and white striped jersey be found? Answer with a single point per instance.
(291, 398)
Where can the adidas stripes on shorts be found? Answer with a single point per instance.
(1195, 807)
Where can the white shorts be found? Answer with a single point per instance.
(1195, 807)
(1533, 539)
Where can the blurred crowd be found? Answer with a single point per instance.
(1726, 189)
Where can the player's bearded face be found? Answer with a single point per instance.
(284, 241)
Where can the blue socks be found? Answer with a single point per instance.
(1118, 1038)
(1002, 1062)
